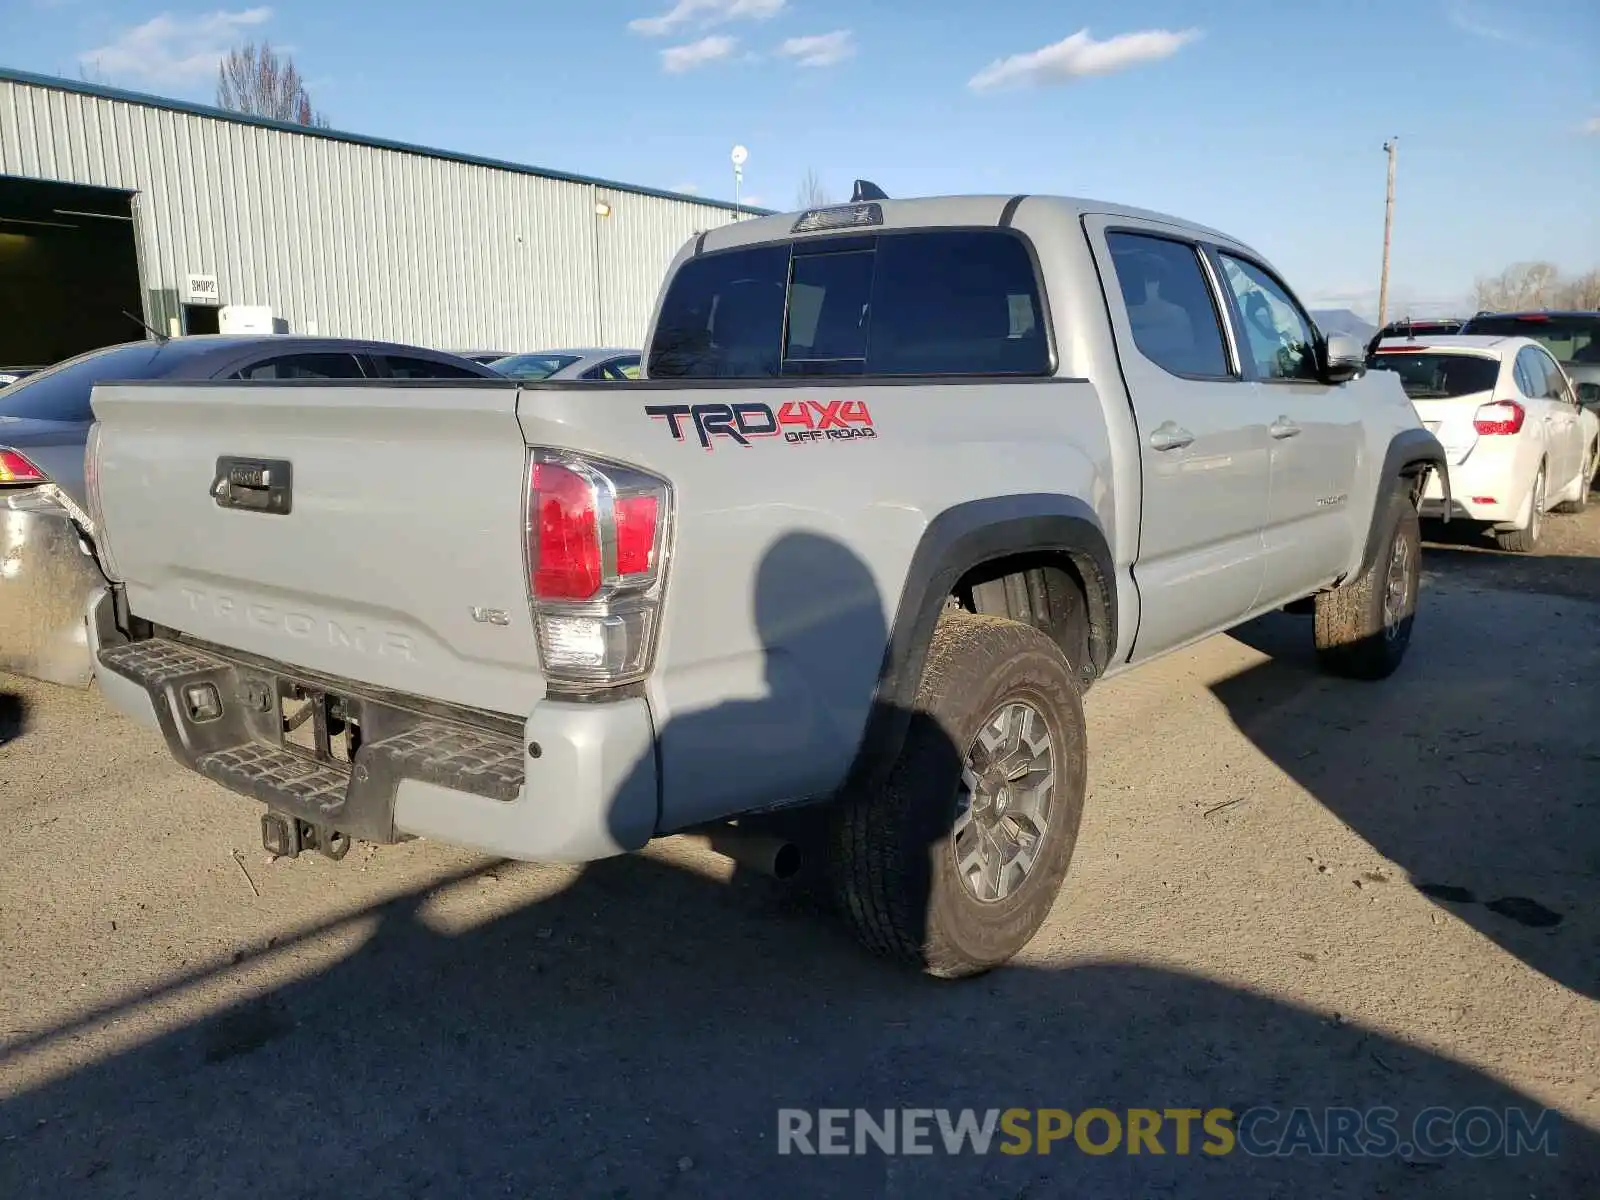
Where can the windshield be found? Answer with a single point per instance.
(533, 366)
(1570, 339)
(1439, 376)
(61, 392)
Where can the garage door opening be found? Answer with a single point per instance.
(69, 271)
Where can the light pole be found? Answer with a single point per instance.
(738, 157)
(1391, 148)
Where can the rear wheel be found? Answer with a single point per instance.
(1522, 540)
(954, 862)
(1585, 477)
(1363, 628)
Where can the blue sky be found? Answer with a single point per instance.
(1262, 118)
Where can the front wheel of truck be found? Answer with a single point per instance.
(954, 862)
(1364, 627)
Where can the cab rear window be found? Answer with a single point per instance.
(930, 302)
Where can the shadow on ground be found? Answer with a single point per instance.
(635, 1035)
(13, 717)
(1467, 553)
(1472, 768)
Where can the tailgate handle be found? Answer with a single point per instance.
(257, 484)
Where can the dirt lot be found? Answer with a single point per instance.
(1289, 892)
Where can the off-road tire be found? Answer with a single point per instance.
(1355, 635)
(1586, 480)
(1525, 539)
(892, 866)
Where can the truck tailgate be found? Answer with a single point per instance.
(398, 563)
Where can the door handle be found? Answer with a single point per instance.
(1283, 428)
(1168, 436)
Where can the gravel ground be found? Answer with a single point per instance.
(1289, 891)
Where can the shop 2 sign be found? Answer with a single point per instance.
(201, 289)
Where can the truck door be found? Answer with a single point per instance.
(1315, 431)
(1204, 447)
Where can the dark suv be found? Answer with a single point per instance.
(1573, 339)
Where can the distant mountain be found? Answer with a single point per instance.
(1342, 320)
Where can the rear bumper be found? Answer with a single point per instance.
(1471, 483)
(48, 586)
(576, 782)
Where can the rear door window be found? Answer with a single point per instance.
(1555, 382)
(304, 366)
(1171, 308)
(931, 302)
(1532, 381)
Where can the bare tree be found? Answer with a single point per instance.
(259, 82)
(812, 193)
(1583, 292)
(1535, 285)
(1519, 286)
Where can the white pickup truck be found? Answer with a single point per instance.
(902, 480)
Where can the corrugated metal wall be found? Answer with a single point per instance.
(357, 240)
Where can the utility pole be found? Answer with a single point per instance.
(739, 156)
(1391, 148)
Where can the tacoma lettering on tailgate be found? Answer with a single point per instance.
(224, 609)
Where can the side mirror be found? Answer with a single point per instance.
(1342, 358)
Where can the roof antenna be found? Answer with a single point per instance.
(150, 329)
(867, 190)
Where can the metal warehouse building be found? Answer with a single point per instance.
(114, 203)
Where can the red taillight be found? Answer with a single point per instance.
(1501, 417)
(564, 534)
(636, 534)
(598, 534)
(15, 468)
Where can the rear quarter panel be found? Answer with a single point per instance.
(789, 556)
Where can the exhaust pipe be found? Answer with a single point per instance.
(776, 857)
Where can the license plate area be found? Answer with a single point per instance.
(318, 724)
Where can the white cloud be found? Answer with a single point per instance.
(677, 59)
(1480, 21)
(685, 189)
(751, 201)
(705, 13)
(820, 50)
(1080, 55)
(1592, 125)
(174, 51)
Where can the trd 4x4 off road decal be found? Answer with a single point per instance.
(795, 421)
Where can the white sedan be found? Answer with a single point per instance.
(615, 364)
(1518, 440)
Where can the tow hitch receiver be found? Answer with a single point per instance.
(285, 836)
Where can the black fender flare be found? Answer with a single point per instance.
(1409, 450)
(958, 540)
